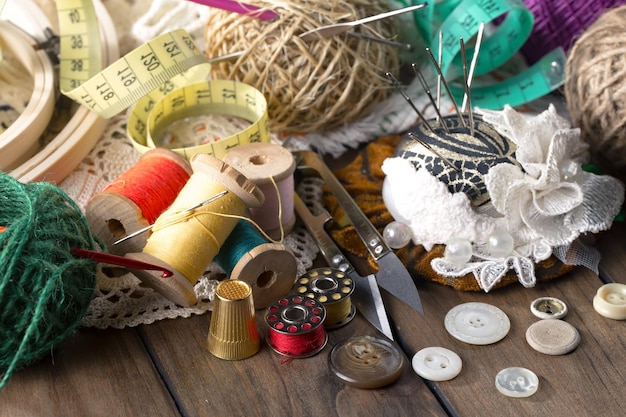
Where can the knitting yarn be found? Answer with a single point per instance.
(310, 86)
(595, 90)
(44, 290)
(559, 22)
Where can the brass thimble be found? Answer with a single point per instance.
(233, 332)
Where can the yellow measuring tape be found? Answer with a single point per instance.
(164, 80)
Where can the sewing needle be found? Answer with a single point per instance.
(145, 229)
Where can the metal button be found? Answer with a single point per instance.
(548, 308)
(552, 337)
(477, 323)
(437, 364)
(517, 382)
(610, 301)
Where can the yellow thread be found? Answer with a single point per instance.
(338, 312)
(189, 241)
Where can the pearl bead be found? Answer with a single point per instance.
(397, 235)
(570, 170)
(500, 244)
(458, 251)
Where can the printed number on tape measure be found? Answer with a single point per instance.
(461, 19)
(149, 119)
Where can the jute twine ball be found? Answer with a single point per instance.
(310, 86)
(44, 290)
(595, 90)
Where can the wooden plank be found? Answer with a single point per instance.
(612, 246)
(266, 384)
(92, 373)
(584, 382)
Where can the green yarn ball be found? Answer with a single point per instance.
(44, 290)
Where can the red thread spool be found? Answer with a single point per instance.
(295, 326)
(136, 199)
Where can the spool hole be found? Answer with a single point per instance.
(324, 285)
(294, 314)
(116, 228)
(258, 159)
(266, 279)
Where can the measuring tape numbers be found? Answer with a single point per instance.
(147, 124)
(510, 24)
(136, 74)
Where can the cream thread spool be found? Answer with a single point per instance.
(150, 186)
(187, 243)
(271, 168)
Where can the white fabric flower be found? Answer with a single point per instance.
(537, 200)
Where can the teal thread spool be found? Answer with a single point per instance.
(269, 268)
(44, 290)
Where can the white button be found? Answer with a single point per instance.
(552, 337)
(437, 364)
(517, 382)
(477, 323)
(548, 308)
(610, 301)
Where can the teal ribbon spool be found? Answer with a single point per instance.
(269, 268)
(462, 18)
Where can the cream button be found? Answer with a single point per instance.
(477, 323)
(552, 337)
(437, 364)
(548, 308)
(610, 301)
(517, 382)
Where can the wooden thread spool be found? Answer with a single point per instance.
(269, 268)
(271, 168)
(295, 326)
(333, 289)
(186, 243)
(136, 199)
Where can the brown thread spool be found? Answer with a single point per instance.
(186, 242)
(136, 198)
(271, 168)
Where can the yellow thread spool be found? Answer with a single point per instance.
(186, 243)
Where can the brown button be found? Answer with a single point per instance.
(552, 337)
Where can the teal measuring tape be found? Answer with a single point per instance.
(509, 24)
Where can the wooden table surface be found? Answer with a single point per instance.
(163, 369)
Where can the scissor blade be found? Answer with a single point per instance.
(392, 276)
(368, 301)
(366, 295)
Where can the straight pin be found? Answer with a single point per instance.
(479, 41)
(422, 81)
(465, 81)
(397, 85)
(439, 62)
(145, 229)
(430, 148)
(446, 86)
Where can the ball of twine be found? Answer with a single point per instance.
(595, 90)
(310, 86)
(44, 290)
